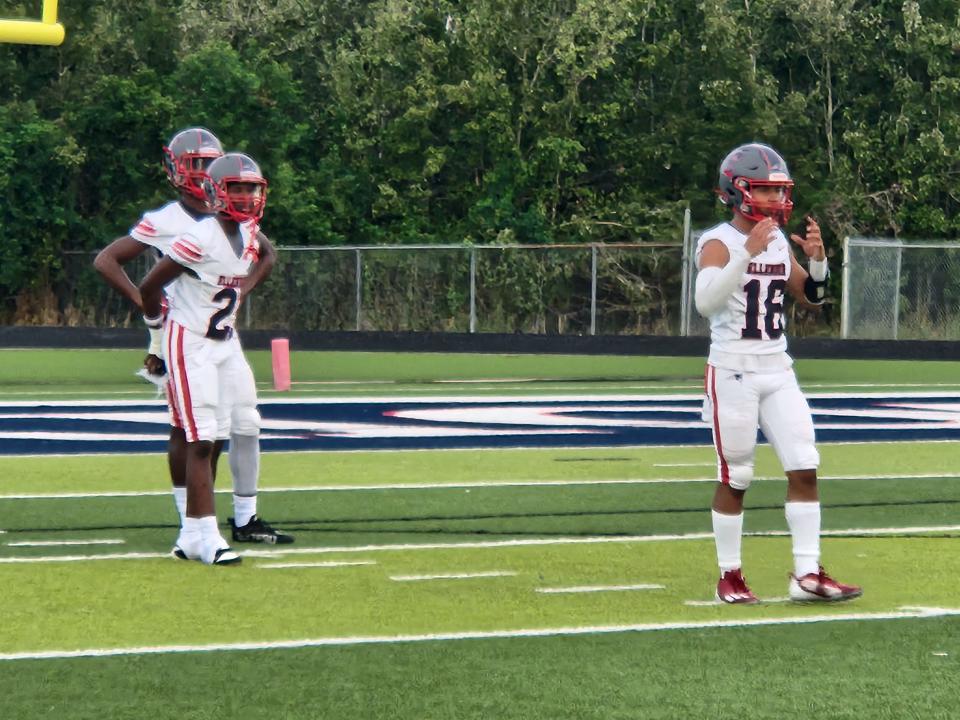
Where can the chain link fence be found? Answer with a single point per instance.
(895, 289)
(892, 289)
(546, 289)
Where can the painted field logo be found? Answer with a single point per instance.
(475, 422)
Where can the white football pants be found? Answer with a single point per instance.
(737, 403)
(211, 389)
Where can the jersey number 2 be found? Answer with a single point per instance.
(772, 319)
(213, 330)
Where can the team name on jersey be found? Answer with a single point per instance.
(225, 281)
(767, 269)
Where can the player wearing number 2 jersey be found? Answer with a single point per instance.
(206, 271)
(185, 160)
(745, 269)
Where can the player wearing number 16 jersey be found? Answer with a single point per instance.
(211, 264)
(745, 269)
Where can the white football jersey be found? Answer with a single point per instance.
(204, 299)
(753, 320)
(158, 228)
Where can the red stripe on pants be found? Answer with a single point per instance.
(190, 425)
(718, 444)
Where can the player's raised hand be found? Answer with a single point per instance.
(763, 233)
(812, 244)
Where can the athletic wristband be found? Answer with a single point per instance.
(154, 323)
(819, 269)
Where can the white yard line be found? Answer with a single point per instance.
(700, 464)
(469, 484)
(522, 542)
(599, 588)
(714, 603)
(902, 614)
(55, 543)
(453, 576)
(324, 564)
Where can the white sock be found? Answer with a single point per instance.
(727, 533)
(244, 508)
(180, 500)
(209, 530)
(803, 518)
(190, 533)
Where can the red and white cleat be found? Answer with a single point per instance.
(733, 589)
(820, 587)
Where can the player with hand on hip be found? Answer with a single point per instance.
(185, 160)
(745, 269)
(206, 272)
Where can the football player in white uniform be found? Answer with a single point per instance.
(745, 268)
(185, 161)
(206, 272)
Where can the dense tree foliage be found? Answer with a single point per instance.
(533, 121)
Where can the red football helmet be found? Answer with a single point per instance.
(187, 156)
(754, 166)
(235, 187)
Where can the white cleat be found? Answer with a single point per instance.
(219, 553)
(184, 550)
(820, 587)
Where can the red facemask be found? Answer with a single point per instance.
(755, 209)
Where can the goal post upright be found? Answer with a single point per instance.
(46, 31)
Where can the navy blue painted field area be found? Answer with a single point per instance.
(371, 424)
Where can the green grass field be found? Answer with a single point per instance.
(440, 584)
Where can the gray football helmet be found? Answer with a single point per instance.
(751, 166)
(242, 203)
(187, 156)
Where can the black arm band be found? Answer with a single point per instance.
(815, 290)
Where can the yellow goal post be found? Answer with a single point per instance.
(46, 31)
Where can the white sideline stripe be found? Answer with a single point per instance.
(517, 448)
(714, 603)
(315, 386)
(902, 614)
(54, 543)
(508, 399)
(701, 464)
(600, 588)
(524, 542)
(471, 484)
(84, 558)
(324, 564)
(453, 576)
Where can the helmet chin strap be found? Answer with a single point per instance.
(781, 215)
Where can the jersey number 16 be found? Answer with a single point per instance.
(773, 315)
